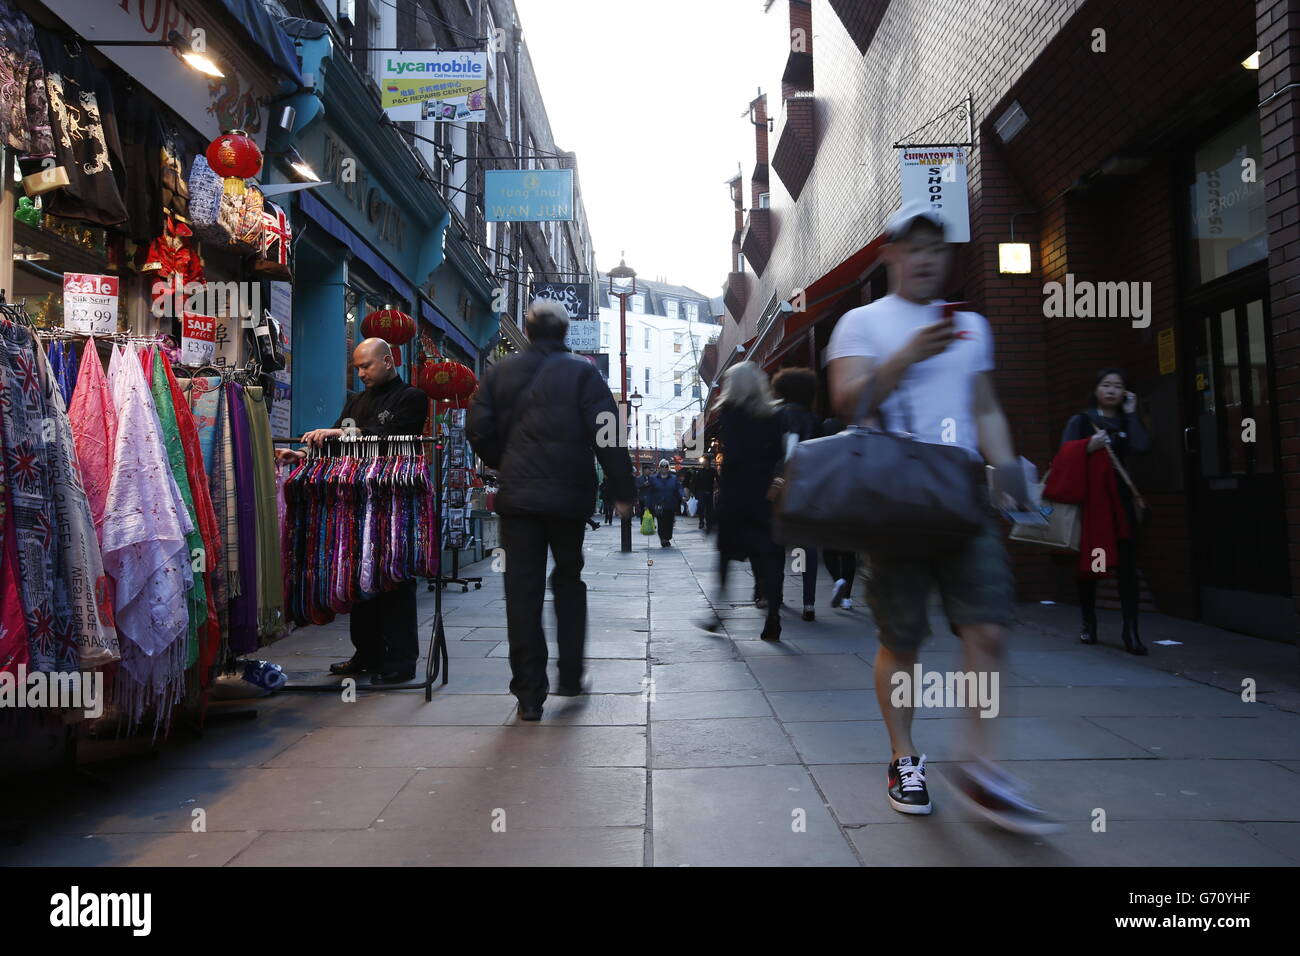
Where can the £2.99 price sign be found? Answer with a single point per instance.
(89, 303)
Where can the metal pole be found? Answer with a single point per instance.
(625, 529)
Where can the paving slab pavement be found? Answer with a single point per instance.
(700, 749)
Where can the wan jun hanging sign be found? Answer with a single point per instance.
(427, 85)
(936, 175)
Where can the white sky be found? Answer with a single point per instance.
(654, 112)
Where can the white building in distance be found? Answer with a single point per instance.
(667, 326)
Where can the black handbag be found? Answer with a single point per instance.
(867, 489)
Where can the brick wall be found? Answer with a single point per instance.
(1278, 25)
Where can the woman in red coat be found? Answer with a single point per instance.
(1111, 419)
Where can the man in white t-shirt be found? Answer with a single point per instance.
(935, 375)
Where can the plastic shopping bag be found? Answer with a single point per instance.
(692, 506)
(647, 523)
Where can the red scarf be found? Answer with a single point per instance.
(1089, 480)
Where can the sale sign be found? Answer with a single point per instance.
(198, 339)
(90, 303)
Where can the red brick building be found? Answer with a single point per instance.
(1125, 142)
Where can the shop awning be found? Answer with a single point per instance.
(321, 214)
(820, 296)
(440, 321)
(267, 35)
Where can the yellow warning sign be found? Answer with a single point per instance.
(1168, 355)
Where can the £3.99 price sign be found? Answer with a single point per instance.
(198, 339)
(89, 303)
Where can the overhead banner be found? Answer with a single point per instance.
(528, 195)
(444, 87)
(574, 296)
(937, 177)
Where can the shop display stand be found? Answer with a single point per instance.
(437, 661)
(452, 434)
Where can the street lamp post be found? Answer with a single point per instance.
(635, 402)
(622, 283)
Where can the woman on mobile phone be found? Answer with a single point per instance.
(1111, 419)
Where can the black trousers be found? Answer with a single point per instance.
(841, 565)
(667, 518)
(384, 630)
(705, 511)
(768, 568)
(607, 507)
(1127, 573)
(526, 539)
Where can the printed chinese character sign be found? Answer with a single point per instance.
(427, 85)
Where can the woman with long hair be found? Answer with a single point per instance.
(1111, 419)
(751, 456)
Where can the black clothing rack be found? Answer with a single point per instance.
(437, 661)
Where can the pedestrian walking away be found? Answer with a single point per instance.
(537, 419)
(751, 444)
(703, 486)
(1110, 422)
(797, 390)
(930, 371)
(384, 628)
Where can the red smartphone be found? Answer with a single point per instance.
(952, 308)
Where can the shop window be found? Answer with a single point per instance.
(1228, 225)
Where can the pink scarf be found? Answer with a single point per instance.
(94, 430)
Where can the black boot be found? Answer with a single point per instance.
(1132, 643)
(1088, 635)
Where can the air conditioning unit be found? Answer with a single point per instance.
(347, 13)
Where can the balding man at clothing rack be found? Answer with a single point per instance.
(383, 629)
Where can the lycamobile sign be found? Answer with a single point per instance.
(426, 85)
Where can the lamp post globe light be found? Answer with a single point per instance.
(635, 402)
(622, 283)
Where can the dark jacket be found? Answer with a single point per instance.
(751, 458)
(542, 447)
(663, 492)
(393, 408)
(1126, 435)
(793, 417)
(704, 481)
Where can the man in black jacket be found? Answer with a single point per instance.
(384, 628)
(537, 419)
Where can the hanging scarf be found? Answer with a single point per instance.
(23, 407)
(13, 623)
(78, 562)
(94, 431)
(243, 610)
(270, 602)
(198, 605)
(145, 526)
(210, 629)
(63, 362)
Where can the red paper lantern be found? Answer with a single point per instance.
(447, 381)
(394, 327)
(233, 154)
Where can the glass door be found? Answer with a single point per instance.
(1239, 531)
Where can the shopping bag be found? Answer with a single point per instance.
(647, 523)
(692, 506)
(1064, 526)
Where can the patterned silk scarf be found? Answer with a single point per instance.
(94, 431)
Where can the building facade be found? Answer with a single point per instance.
(1181, 196)
(668, 327)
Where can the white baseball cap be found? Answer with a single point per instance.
(901, 221)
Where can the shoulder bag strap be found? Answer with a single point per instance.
(1114, 460)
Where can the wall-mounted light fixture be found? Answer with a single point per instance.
(184, 48)
(1014, 258)
(1251, 62)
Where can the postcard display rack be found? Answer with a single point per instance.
(456, 506)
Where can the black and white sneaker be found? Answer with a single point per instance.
(907, 790)
(997, 797)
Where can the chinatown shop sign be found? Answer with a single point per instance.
(937, 177)
(90, 303)
(198, 339)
